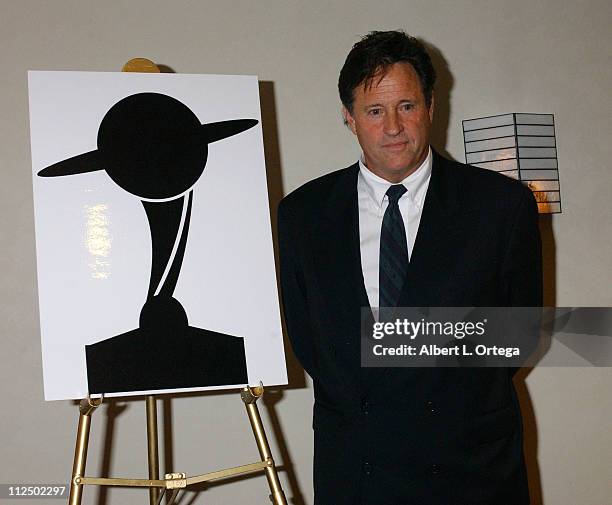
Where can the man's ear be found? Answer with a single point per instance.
(431, 107)
(348, 120)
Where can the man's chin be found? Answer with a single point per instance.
(400, 171)
(393, 168)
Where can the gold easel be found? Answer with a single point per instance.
(171, 481)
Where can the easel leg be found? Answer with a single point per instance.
(86, 408)
(152, 445)
(250, 397)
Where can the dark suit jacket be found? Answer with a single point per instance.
(443, 436)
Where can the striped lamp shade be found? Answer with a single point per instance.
(521, 146)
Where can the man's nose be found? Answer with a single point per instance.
(392, 125)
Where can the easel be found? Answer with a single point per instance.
(171, 481)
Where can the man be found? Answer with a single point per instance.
(401, 436)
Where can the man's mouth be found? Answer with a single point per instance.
(395, 146)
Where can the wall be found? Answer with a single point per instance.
(493, 56)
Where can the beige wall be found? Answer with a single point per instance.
(494, 57)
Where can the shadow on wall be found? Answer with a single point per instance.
(112, 410)
(530, 443)
(297, 379)
(530, 436)
(549, 260)
(165, 69)
(442, 100)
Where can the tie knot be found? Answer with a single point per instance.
(395, 192)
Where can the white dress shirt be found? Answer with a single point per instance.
(373, 202)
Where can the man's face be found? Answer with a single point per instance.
(392, 122)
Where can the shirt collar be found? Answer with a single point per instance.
(416, 183)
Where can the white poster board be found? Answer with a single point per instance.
(200, 309)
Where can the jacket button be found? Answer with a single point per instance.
(430, 407)
(365, 406)
(435, 469)
(367, 468)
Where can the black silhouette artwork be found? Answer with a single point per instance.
(154, 147)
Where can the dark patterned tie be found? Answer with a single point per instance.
(393, 251)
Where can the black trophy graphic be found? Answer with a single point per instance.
(154, 147)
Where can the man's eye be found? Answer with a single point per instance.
(407, 106)
(374, 112)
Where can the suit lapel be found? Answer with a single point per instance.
(433, 248)
(339, 256)
(337, 260)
